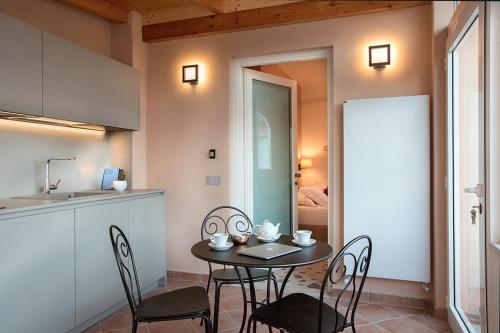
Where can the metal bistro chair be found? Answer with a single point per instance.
(186, 303)
(224, 219)
(301, 313)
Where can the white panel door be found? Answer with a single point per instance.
(98, 282)
(148, 238)
(387, 183)
(37, 289)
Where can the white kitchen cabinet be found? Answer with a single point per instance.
(20, 67)
(81, 85)
(98, 282)
(37, 289)
(147, 237)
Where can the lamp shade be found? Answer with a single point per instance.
(306, 163)
(379, 55)
(190, 74)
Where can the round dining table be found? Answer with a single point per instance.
(307, 255)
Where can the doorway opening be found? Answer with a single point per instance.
(281, 124)
(310, 135)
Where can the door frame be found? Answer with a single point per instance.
(238, 162)
(248, 76)
(465, 15)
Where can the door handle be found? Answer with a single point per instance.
(478, 190)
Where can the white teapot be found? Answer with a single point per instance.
(266, 229)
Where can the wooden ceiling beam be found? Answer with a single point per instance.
(100, 8)
(215, 6)
(297, 12)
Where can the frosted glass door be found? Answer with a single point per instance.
(272, 166)
(467, 179)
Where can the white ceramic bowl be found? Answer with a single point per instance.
(120, 185)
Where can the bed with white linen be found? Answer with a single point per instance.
(314, 219)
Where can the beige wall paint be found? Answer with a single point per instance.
(128, 47)
(442, 13)
(185, 121)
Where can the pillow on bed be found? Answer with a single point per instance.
(303, 200)
(315, 193)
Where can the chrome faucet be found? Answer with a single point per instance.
(48, 186)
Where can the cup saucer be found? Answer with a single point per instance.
(225, 247)
(311, 242)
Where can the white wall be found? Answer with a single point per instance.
(25, 147)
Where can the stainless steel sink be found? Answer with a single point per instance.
(64, 195)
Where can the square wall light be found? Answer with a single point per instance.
(190, 74)
(379, 55)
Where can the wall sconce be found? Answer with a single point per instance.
(305, 163)
(190, 74)
(379, 55)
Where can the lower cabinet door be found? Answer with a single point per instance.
(147, 238)
(98, 282)
(37, 289)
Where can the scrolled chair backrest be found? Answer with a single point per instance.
(225, 219)
(347, 270)
(126, 266)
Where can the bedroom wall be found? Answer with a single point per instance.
(185, 121)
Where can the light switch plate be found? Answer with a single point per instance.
(213, 180)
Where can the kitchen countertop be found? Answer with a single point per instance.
(20, 205)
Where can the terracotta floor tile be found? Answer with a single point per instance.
(375, 312)
(370, 328)
(173, 326)
(121, 319)
(434, 323)
(358, 319)
(227, 322)
(237, 315)
(405, 311)
(178, 284)
(404, 325)
(230, 291)
(230, 303)
(94, 329)
(141, 329)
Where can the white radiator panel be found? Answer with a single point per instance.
(387, 183)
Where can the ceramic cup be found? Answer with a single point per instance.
(120, 185)
(302, 236)
(219, 239)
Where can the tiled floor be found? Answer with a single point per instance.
(371, 317)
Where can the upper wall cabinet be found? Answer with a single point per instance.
(80, 85)
(20, 67)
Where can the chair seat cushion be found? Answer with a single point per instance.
(299, 313)
(183, 302)
(229, 274)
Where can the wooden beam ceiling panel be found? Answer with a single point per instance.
(100, 8)
(297, 12)
(215, 6)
